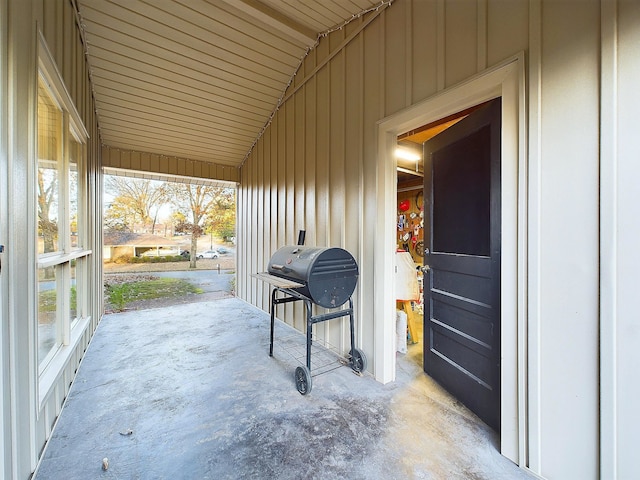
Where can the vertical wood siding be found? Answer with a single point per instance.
(319, 173)
(31, 423)
(168, 165)
(569, 166)
(314, 166)
(619, 255)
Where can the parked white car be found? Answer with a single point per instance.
(209, 254)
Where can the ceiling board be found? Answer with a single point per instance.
(198, 79)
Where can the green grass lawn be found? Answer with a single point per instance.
(47, 300)
(120, 294)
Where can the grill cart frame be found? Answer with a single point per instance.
(303, 378)
(325, 277)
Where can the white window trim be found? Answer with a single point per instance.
(58, 258)
(50, 73)
(55, 368)
(71, 330)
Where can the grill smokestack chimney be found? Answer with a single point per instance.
(301, 235)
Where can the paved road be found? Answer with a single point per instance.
(207, 280)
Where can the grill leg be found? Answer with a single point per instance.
(273, 316)
(309, 333)
(351, 326)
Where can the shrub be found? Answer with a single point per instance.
(173, 258)
(122, 259)
(117, 296)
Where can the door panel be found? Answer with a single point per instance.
(462, 284)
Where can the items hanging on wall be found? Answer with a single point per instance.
(401, 222)
(411, 222)
(420, 200)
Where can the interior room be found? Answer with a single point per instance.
(411, 242)
(410, 248)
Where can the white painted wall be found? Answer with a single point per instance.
(567, 319)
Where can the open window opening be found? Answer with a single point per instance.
(167, 240)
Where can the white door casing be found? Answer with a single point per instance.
(505, 80)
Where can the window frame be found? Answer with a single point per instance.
(62, 259)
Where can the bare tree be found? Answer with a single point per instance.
(136, 201)
(47, 199)
(198, 200)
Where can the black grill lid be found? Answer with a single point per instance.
(329, 275)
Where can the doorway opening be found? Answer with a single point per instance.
(166, 240)
(452, 242)
(505, 81)
(410, 241)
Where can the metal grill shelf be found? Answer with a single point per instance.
(324, 356)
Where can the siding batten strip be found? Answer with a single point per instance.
(440, 44)
(482, 35)
(533, 451)
(361, 234)
(408, 54)
(608, 241)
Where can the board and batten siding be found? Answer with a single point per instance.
(28, 414)
(167, 165)
(619, 233)
(314, 168)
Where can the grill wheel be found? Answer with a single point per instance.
(358, 361)
(303, 379)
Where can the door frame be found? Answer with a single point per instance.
(506, 80)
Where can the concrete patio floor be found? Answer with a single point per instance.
(189, 392)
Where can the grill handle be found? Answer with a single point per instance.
(282, 268)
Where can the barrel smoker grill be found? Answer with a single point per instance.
(323, 276)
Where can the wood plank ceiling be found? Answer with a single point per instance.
(198, 79)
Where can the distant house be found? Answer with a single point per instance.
(120, 244)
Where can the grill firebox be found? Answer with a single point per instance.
(329, 275)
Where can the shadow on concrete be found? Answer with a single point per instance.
(189, 392)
